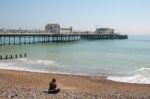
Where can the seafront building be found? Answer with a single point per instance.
(104, 31)
(52, 28)
(56, 29)
(66, 30)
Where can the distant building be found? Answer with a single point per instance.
(53, 28)
(104, 31)
(66, 30)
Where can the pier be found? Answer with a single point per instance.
(18, 39)
(103, 36)
(34, 38)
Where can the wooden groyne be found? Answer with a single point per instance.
(34, 38)
(11, 56)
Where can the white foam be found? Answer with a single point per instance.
(12, 66)
(25, 64)
(46, 62)
(27, 61)
(142, 69)
(4, 65)
(41, 62)
(140, 76)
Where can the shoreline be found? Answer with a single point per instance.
(17, 83)
(100, 76)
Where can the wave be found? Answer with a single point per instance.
(11, 65)
(140, 76)
(45, 66)
(40, 62)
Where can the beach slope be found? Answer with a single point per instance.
(30, 85)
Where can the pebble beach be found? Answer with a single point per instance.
(30, 85)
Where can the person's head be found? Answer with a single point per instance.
(53, 80)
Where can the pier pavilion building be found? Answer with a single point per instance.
(104, 31)
(52, 28)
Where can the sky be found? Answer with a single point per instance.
(125, 16)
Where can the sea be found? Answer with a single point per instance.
(126, 60)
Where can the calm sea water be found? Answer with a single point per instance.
(121, 60)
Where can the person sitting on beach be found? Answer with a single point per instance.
(53, 87)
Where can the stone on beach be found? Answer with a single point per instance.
(25, 85)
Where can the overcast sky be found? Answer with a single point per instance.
(125, 16)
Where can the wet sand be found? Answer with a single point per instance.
(30, 85)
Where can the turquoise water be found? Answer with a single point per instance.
(121, 60)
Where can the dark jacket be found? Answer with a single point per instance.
(52, 86)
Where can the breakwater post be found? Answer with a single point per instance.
(5, 57)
